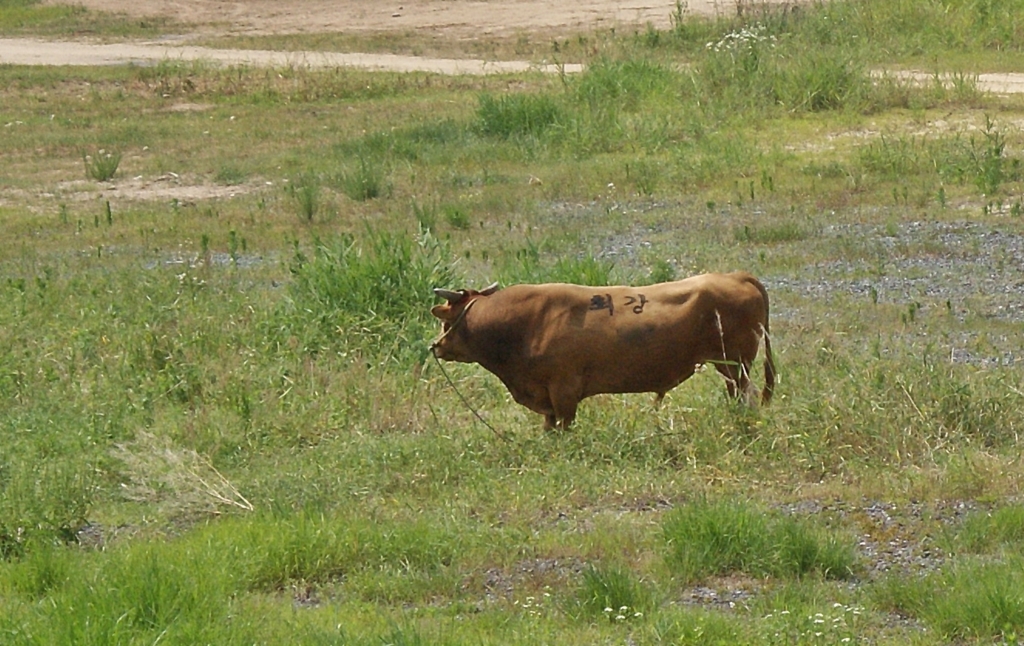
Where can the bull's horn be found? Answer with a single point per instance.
(449, 295)
(490, 289)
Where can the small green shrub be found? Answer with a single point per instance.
(456, 216)
(662, 271)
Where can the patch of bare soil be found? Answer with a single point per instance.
(454, 18)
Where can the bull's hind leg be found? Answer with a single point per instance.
(736, 371)
(736, 376)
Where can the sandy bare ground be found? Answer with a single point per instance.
(455, 18)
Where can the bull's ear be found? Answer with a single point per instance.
(490, 289)
(449, 295)
(443, 312)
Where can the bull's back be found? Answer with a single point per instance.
(632, 339)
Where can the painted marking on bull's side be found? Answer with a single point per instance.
(638, 309)
(605, 302)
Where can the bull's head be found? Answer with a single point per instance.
(452, 314)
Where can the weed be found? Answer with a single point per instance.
(101, 165)
(367, 181)
(230, 174)
(525, 265)
(305, 191)
(425, 214)
(644, 175)
(662, 271)
(456, 217)
(989, 161)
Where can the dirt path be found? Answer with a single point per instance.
(26, 51)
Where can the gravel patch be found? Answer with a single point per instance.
(972, 267)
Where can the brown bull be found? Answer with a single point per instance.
(556, 344)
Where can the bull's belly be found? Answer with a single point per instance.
(639, 379)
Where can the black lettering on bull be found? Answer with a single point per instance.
(605, 302)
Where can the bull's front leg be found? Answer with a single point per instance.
(565, 397)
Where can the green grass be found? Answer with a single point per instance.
(716, 538)
(967, 600)
(220, 423)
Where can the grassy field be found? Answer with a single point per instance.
(220, 424)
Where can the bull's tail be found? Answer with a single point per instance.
(769, 360)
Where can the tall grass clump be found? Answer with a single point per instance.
(622, 103)
(613, 593)
(912, 28)
(44, 568)
(371, 293)
(145, 593)
(752, 68)
(610, 84)
(969, 599)
(711, 538)
(47, 487)
(516, 115)
(877, 29)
